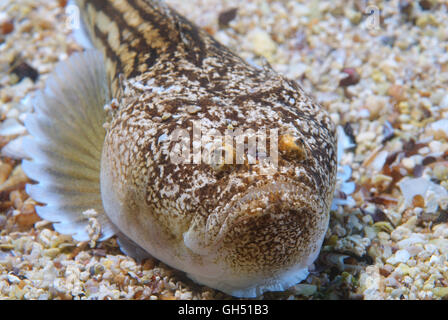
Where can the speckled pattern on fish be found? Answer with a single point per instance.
(234, 228)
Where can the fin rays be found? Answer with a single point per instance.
(65, 145)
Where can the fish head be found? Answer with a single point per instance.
(233, 190)
(266, 213)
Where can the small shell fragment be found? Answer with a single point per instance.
(17, 180)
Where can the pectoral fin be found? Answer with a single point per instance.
(65, 145)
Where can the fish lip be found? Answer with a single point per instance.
(231, 215)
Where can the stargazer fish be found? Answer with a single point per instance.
(101, 138)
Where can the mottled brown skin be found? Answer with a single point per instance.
(160, 68)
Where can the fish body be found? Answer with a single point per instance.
(233, 226)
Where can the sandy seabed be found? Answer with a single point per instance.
(381, 71)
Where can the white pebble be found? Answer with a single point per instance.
(399, 256)
(434, 260)
(435, 146)
(13, 279)
(365, 136)
(408, 163)
(444, 102)
(262, 43)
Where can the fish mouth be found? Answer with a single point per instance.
(265, 237)
(273, 198)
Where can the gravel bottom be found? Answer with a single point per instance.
(379, 68)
